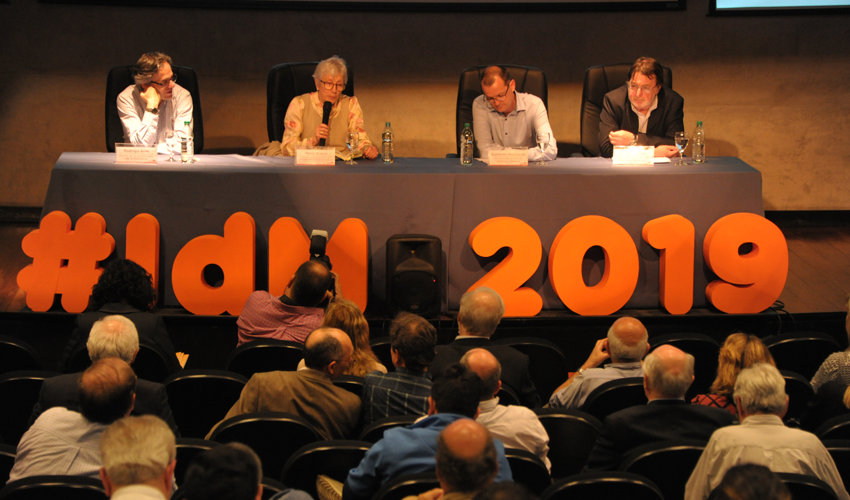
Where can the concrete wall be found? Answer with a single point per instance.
(771, 90)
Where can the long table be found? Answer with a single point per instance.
(434, 196)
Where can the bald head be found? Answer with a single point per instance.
(311, 282)
(482, 362)
(480, 312)
(329, 350)
(466, 457)
(668, 373)
(627, 340)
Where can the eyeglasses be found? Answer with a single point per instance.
(331, 85)
(501, 97)
(166, 83)
(645, 89)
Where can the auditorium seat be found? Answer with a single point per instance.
(287, 81)
(350, 383)
(375, 431)
(528, 470)
(572, 434)
(266, 355)
(64, 487)
(407, 485)
(507, 396)
(614, 396)
(19, 393)
(16, 355)
(7, 461)
(149, 364)
(807, 487)
(598, 81)
(603, 485)
(547, 365)
(121, 77)
(799, 392)
(187, 448)
(839, 450)
(381, 348)
(835, 428)
(801, 352)
(271, 487)
(330, 458)
(668, 464)
(705, 351)
(201, 398)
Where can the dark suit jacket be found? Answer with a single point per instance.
(660, 420)
(61, 390)
(150, 326)
(664, 121)
(514, 365)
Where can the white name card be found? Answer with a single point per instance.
(515, 157)
(319, 156)
(129, 153)
(633, 155)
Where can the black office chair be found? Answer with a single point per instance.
(668, 464)
(603, 485)
(808, 487)
(64, 487)
(7, 461)
(547, 365)
(19, 393)
(382, 349)
(16, 355)
(149, 364)
(598, 81)
(799, 392)
(121, 77)
(287, 81)
(839, 450)
(835, 428)
(572, 435)
(374, 432)
(528, 79)
(199, 399)
(614, 396)
(407, 485)
(187, 449)
(528, 470)
(705, 351)
(801, 352)
(266, 355)
(334, 459)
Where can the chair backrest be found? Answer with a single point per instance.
(799, 392)
(808, 487)
(839, 450)
(286, 82)
(64, 487)
(374, 432)
(265, 356)
(271, 487)
(201, 398)
(801, 352)
(507, 396)
(350, 383)
(187, 449)
(614, 396)
(528, 79)
(274, 436)
(381, 347)
(598, 81)
(16, 355)
(705, 351)
(121, 77)
(528, 470)
(19, 393)
(149, 363)
(603, 485)
(668, 464)
(407, 485)
(334, 459)
(7, 461)
(572, 435)
(547, 365)
(835, 428)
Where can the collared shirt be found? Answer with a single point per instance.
(762, 440)
(61, 442)
(403, 392)
(519, 128)
(835, 368)
(516, 427)
(644, 118)
(137, 492)
(294, 133)
(266, 317)
(147, 129)
(583, 383)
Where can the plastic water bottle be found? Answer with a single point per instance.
(698, 144)
(187, 144)
(387, 144)
(466, 145)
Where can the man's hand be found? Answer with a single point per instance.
(322, 132)
(598, 355)
(337, 288)
(151, 96)
(666, 151)
(434, 494)
(371, 152)
(621, 138)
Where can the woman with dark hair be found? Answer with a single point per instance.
(123, 288)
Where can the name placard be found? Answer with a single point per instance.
(320, 156)
(130, 153)
(514, 157)
(633, 155)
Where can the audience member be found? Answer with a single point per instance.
(123, 288)
(139, 456)
(626, 344)
(409, 450)
(515, 426)
(480, 312)
(406, 390)
(111, 337)
(762, 438)
(739, 351)
(294, 314)
(64, 442)
(836, 367)
(668, 373)
(309, 392)
(750, 482)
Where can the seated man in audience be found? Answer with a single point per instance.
(514, 426)
(64, 442)
(111, 336)
(406, 390)
(139, 455)
(410, 450)
(762, 438)
(626, 344)
(667, 375)
(480, 312)
(310, 391)
(504, 118)
(643, 112)
(294, 314)
(155, 107)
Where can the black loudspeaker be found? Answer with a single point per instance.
(413, 274)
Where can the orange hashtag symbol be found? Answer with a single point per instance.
(64, 261)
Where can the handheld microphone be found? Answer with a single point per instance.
(326, 116)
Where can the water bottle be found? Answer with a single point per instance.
(466, 145)
(387, 144)
(698, 144)
(187, 144)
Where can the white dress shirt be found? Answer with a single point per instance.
(519, 128)
(147, 129)
(516, 427)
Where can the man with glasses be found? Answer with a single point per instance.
(503, 118)
(155, 108)
(643, 112)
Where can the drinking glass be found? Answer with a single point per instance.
(681, 143)
(542, 142)
(171, 143)
(351, 144)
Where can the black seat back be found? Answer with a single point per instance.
(201, 398)
(614, 396)
(572, 435)
(266, 355)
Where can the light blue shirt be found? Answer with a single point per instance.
(574, 395)
(518, 129)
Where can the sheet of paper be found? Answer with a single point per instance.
(320, 156)
(509, 157)
(129, 153)
(633, 155)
